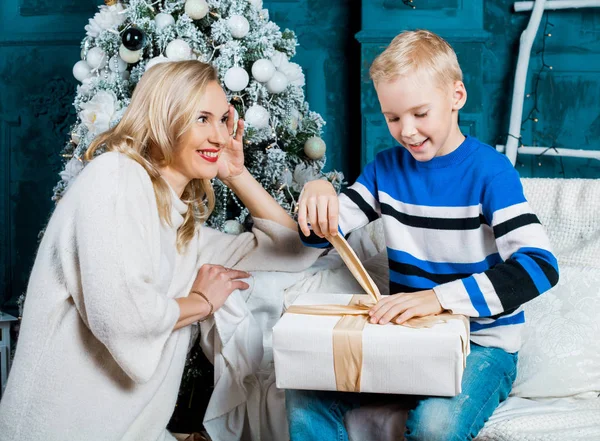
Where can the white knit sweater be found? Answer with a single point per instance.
(97, 357)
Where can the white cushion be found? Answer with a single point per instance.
(564, 419)
(561, 352)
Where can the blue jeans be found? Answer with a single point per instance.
(487, 381)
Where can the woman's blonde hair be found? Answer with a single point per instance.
(413, 51)
(163, 107)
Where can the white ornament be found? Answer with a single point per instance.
(314, 148)
(196, 9)
(156, 60)
(294, 74)
(279, 59)
(233, 227)
(125, 75)
(236, 79)
(109, 17)
(116, 64)
(263, 70)
(178, 50)
(258, 4)
(163, 20)
(81, 71)
(277, 83)
(238, 26)
(96, 58)
(257, 116)
(97, 113)
(129, 56)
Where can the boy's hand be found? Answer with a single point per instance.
(404, 306)
(318, 205)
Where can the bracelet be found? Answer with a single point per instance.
(209, 304)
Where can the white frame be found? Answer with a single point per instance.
(516, 110)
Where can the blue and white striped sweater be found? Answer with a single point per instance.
(458, 224)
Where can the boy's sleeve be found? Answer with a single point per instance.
(528, 266)
(358, 206)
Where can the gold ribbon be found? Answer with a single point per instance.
(347, 335)
(355, 266)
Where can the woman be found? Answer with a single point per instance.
(124, 267)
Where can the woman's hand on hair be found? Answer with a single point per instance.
(231, 162)
(217, 282)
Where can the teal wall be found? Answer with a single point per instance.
(39, 43)
(485, 35)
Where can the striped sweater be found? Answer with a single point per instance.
(458, 224)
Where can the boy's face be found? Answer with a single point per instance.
(420, 115)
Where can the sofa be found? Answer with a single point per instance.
(556, 395)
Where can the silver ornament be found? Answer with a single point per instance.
(314, 148)
(233, 227)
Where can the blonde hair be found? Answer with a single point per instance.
(163, 107)
(413, 51)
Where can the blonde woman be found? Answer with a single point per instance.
(125, 267)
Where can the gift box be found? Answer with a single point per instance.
(324, 342)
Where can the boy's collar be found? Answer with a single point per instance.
(453, 158)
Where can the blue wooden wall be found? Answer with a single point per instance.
(39, 43)
(485, 35)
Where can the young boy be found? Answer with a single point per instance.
(460, 237)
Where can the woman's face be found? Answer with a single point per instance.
(198, 149)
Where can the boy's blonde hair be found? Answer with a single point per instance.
(414, 51)
(163, 107)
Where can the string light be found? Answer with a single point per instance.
(532, 116)
(534, 112)
(409, 3)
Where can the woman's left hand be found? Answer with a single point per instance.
(231, 162)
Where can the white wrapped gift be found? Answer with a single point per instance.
(317, 348)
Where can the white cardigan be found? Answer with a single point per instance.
(97, 357)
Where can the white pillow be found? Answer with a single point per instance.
(561, 345)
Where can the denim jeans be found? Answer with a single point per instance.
(487, 381)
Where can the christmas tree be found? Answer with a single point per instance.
(283, 147)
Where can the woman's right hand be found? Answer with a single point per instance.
(217, 282)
